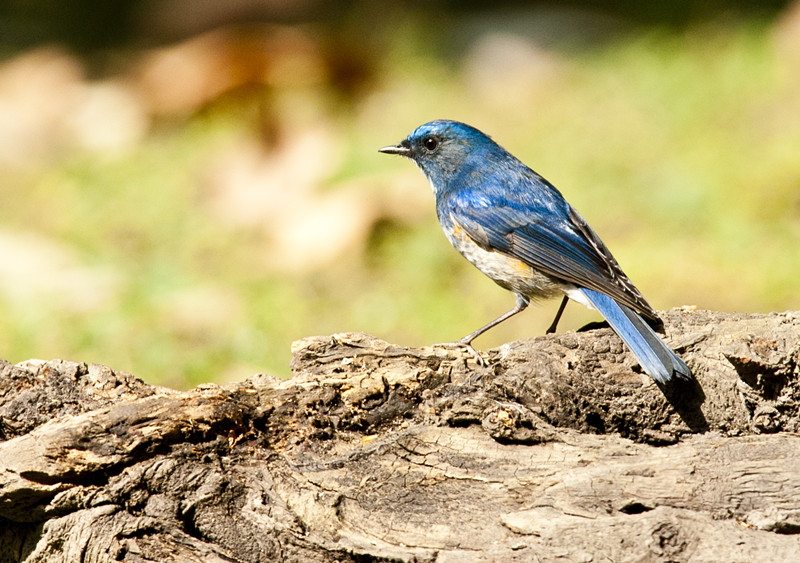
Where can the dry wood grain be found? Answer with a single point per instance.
(559, 449)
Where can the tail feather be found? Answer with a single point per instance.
(655, 357)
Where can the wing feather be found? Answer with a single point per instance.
(537, 226)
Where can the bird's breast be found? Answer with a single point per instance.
(508, 272)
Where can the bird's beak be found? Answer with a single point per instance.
(402, 149)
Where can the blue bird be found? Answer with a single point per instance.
(518, 229)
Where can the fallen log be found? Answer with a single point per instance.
(559, 448)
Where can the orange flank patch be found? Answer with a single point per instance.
(519, 266)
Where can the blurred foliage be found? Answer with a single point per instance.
(89, 26)
(215, 229)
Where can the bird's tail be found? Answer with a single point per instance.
(655, 357)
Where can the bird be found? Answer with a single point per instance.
(517, 228)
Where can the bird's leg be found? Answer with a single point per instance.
(552, 328)
(466, 342)
(522, 303)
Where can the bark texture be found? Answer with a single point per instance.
(558, 449)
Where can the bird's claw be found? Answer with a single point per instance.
(480, 360)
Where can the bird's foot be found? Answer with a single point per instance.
(480, 360)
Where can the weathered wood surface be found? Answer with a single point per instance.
(558, 450)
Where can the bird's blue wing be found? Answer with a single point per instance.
(527, 218)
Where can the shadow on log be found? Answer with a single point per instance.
(558, 449)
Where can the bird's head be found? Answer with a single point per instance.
(442, 148)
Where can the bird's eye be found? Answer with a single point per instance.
(430, 143)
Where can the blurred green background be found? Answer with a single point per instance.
(188, 186)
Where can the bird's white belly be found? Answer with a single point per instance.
(508, 272)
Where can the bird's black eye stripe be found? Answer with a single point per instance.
(430, 143)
